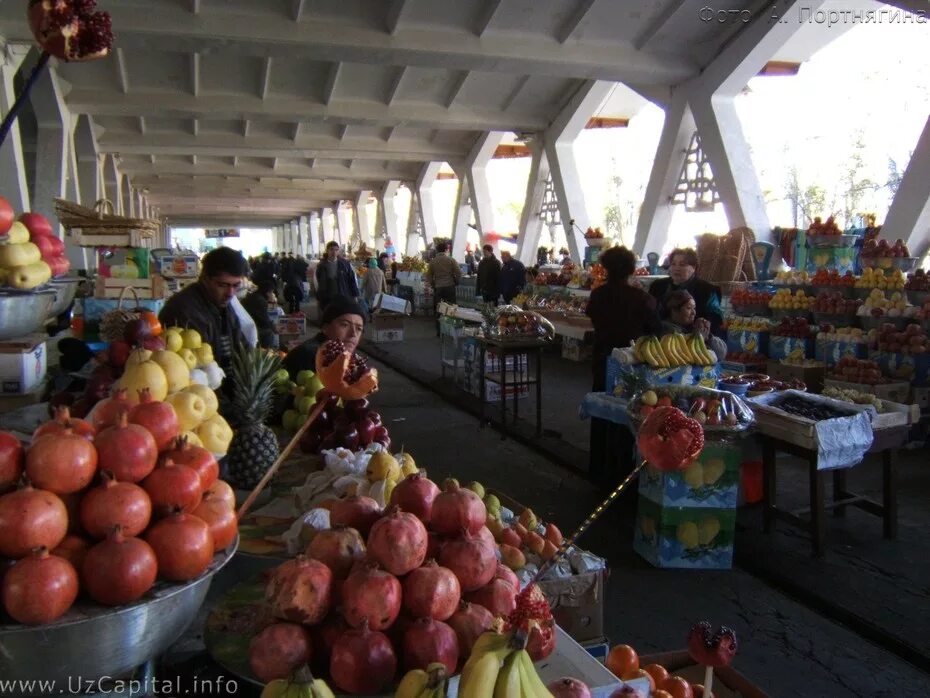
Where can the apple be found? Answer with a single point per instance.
(366, 431)
(305, 404)
(37, 223)
(6, 216)
(304, 377)
(49, 246)
(11, 460)
(375, 417)
(190, 408)
(380, 434)
(282, 377)
(348, 437)
(136, 331)
(356, 409)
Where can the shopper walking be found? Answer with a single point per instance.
(443, 274)
(513, 276)
(334, 277)
(375, 283)
(487, 285)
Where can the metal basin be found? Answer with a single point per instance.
(65, 290)
(92, 642)
(23, 312)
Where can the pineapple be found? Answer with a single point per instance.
(254, 446)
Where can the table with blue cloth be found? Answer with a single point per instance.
(613, 446)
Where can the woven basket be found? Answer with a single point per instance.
(113, 324)
(97, 221)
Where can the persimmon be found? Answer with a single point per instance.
(677, 687)
(657, 672)
(622, 660)
(641, 674)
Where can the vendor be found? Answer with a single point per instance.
(683, 319)
(206, 305)
(343, 319)
(620, 313)
(682, 276)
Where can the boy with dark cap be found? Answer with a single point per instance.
(343, 319)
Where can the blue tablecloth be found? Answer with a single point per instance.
(605, 406)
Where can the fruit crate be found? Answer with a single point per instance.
(905, 264)
(728, 683)
(750, 310)
(831, 351)
(917, 298)
(110, 287)
(748, 340)
(712, 481)
(893, 391)
(875, 323)
(781, 347)
(684, 537)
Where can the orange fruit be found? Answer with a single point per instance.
(677, 687)
(698, 691)
(622, 660)
(657, 672)
(661, 694)
(641, 674)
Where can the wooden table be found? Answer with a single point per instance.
(518, 378)
(886, 442)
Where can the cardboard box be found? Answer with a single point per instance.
(747, 340)
(813, 376)
(578, 603)
(385, 328)
(913, 368)
(575, 349)
(179, 266)
(679, 537)
(728, 683)
(384, 303)
(842, 259)
(895, 392)
(23, 365)
(681, 375)
(790, 348)
(712, 481)
(832, 351)
(290, 324)
(123, 262)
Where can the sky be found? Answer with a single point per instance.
(870, 85)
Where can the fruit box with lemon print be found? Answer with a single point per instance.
(913, 368)
(711, 481)
(755, 342)
(842, 259)
(684, 537)
(781, 348)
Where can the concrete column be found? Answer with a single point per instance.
(328, 223)
(531, 222)
(655, 216)
(315, 233)
(476, 171)
(13, 182)
(344, 224)
(387, 212)
(909, 215)
(559, 143)
(129, 197)
(412, 244)
(279, 242)
(360, 219)
(462, 213)
(306, 243)
(114, 183)
(424, 192)
(295, 236)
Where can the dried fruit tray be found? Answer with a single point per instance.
(793, 428)
(683, 396)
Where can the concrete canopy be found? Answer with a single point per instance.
(258, 111)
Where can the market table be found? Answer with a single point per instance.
(519, 376)
(886, 442)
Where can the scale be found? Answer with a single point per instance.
(762, 253)
(652, 260)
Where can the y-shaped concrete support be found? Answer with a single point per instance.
(412, 244)
(531, 221)
(473, 173)
(13, 181)
(387, 215)
(909, 216)
(329, 232)
(424, 192)
(360, 219)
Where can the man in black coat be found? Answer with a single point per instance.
(489, 274)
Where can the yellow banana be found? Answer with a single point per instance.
(303, 685)
(638, 350)
(681, 350)
(484, 663)
(647, 353)
(668, 346)
(532, 685)
(688, 349)
(701, 348)
(658, 349)
(413, 685)
(509, 681)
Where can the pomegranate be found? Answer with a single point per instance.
(359, 513)
(324, 636)
(63, 421)
(173, 486)
(71, 30)
(119, 570)
(198, 458)
(508, 575)
(533, 616)
(61, 463)
(373, 595)
(485, 534)
(29, 519)
(278, 651)
(362, 661)
(338, 548)
(73, 549)
(300, 590)
(183, 546)
(398, 542)
(12, 457)
(415, 494)
(428, 641)
(158, 417)
(7, 216)
(221, 491)
(456, 509)
(40, 588)
(468, 622)
(115, 503)
(498, 596)
(107, 411)
(127, 450)
(568, 687)
(472, 560)
(431, 591)
(221, 518)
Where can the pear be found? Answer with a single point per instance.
(173, 341)
(528, 520)
(208, 396)
(203, 354)
(190, 408)
(708, 529)
(477, 488)
(192, 339)
(512, 557)
(189, 358)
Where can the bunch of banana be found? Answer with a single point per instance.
(484, 676)
(702, 355)
(649, 348)
(417, 683)
(303, 685)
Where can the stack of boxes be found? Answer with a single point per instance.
(686, 519)
(517, 366)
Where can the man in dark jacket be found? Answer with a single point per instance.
(489, 275)
(334, 277)
(205, 304)
(513, 277)
(256, 304)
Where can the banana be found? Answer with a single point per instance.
(668, 347)
(638, 350)
(509, 680)
(645, 348)
(302, 686)
(480, 672)
(419, 683)
(701, 348)
(532, 685)
(688, 348)
(661, 356)
(680, 351)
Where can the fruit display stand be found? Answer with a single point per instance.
(728, 683)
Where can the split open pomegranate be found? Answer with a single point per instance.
(71, 30)
(344, 373)
(669, 439)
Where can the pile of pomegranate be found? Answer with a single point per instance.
(105, 508)
(353, 426)
(385, 592)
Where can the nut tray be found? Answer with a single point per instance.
(729, 403)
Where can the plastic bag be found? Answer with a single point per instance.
(302, 531)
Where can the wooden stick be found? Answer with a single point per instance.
(708, 680)
(311, 418)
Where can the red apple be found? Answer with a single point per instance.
(11, 460)
(49, 246)
(6, 216)
(59, 264)
(37, 224)
(366, 431)
(153, 343)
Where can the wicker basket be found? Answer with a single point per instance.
(97, 221)
(113, 324)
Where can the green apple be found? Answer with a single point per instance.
(305, 376)
(282, 376)
(315, 385)
(290, 420)
(305, 404)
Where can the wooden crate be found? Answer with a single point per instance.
(132, 238)
(794, 429)
(109, 287)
